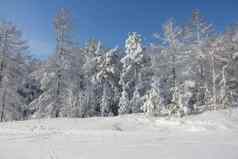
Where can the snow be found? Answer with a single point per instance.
(235, 56)
(207, 135)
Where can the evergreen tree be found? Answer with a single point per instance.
(124, 104)
(134, 64)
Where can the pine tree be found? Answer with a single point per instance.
(124, 104)
(136, 102)
(135, 64)
(108, 76)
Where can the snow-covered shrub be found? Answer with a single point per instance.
(152, 104)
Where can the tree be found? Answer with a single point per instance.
(136, 101)
(171, 38)
(56, 100)
(229, 82)
(12, 71)
(214, 47)
(109, 75)
(153, 104)
(135, 64)
(174, 60)
(124, 104)
(198, 29)
(197, 32)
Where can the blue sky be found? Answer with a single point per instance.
(109, 20)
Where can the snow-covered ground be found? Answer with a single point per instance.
(210, 135)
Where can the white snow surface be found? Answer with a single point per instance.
(210, 135)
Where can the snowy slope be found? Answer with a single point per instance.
(204, 136)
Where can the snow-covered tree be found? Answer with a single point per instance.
(173, 61)
(153, 103)
(189, 97)
(191, 66)
(124, 104)
(136, 102)
(108, 75)
(171, 38)
(198, 29)
(214, 47)
(13, 69)
(197, 32)
(56, 100)
(135, 65)
(228, 65)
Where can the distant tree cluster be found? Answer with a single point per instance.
(188, 69)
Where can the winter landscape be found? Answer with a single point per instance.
(173, 96)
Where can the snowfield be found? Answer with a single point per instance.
(210, 135)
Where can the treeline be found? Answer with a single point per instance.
(189, 68)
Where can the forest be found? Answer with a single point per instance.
(188, 69)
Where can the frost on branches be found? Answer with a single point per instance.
(193, 70)
(134, 77)
(153, 105)
(124, 104)
(134, 46)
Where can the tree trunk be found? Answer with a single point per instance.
(173, 72)
(202, 83)
(214, 92)
(3, 105)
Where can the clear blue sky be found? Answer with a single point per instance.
(109, 20)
